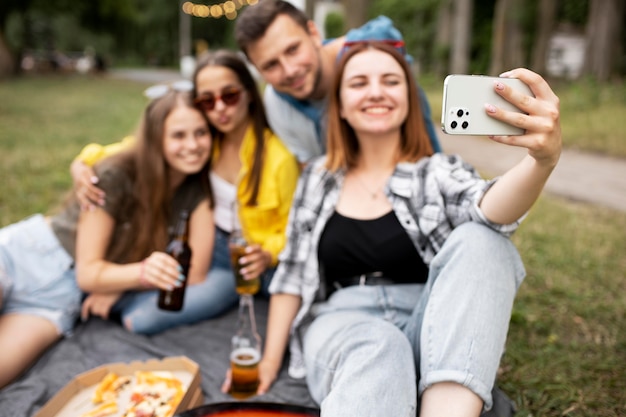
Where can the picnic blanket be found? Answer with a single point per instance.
(97, 342)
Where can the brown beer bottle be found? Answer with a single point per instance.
(180, 250)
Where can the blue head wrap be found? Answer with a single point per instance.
(378, 29)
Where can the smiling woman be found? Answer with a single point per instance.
(186, 144)
(405, 254)
(374, 103)
(114, 252)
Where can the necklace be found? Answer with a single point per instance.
(373, 193)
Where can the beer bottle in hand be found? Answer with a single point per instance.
(180, 250)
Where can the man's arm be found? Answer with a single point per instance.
(89, 195)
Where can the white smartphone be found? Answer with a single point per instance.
(463, 110)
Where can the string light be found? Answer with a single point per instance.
(226, 9)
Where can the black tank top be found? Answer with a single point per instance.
(351, 247)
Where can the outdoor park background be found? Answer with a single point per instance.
(567, 343)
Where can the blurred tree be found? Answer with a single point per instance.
(417, 21)
(310, 8)
(334, 25)
(604, 34)
(131, 32)
(546, 18)
(573, 11)
(462, 36)
(443, 38)
(8, 61)
(356, 12)
(44, 22)
(218, 33)
(507, 47)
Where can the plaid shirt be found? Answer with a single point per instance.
(429, 197)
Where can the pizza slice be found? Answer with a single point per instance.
(103, 410)
(110, 387)
(155, 395)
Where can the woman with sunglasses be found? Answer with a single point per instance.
(117, 248)
(395, 289)
(251, 170)
(253, 175)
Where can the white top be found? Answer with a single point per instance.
(224, 196)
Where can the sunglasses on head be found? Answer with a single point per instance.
(230, 96)
(397, 44)
(159, 90)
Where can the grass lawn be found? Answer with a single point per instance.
(566, 352)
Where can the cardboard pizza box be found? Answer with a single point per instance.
(75, 397)
(197, 399)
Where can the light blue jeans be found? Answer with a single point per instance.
(209, 299)
(366, 342)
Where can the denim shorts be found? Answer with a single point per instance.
(37, 275)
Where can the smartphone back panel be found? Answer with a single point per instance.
(464, 98)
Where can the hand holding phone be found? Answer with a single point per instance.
(463, 110)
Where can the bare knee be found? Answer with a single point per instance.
(128, 324)
(450, 399)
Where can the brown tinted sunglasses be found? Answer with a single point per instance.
(230, 96)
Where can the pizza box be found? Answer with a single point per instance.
(75, 397)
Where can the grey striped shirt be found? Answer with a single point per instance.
(429, 197)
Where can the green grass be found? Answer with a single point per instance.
(567, 341)
(566, 350)
(45, 122)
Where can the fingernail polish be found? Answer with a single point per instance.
(490, 108)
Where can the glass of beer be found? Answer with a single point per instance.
(237, 244)
(245, 352)
(244, 366)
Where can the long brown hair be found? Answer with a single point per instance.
(232, 61)
(145, 164)
(342, 143)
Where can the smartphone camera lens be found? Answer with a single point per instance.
(464, 125)
(453, 124)
(459, 113)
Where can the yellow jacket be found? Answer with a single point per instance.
(264, 223)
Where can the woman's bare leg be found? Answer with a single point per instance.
(451, 400)
(22, 339)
